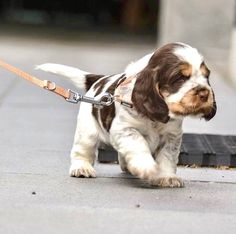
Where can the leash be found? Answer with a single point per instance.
(105, 99)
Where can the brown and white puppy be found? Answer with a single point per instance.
(164, 87)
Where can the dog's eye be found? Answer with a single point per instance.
(181, 80)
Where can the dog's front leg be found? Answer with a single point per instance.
(84, 149)
(167, 159)
(134, 152)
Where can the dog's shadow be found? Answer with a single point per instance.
(132, 181)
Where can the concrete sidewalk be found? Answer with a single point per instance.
(37, 128)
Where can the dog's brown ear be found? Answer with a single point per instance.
(147, 99)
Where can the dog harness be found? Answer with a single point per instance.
(123, 93)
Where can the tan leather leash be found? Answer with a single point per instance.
(46, 84)
(105, 99)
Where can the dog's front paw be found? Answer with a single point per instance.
(142, 169)
(167, 182)
(81, 168)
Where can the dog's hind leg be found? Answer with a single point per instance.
(85, 145)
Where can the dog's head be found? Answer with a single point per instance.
(175, 82)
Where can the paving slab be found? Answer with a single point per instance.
(56, 203)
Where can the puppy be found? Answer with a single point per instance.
(160, 89)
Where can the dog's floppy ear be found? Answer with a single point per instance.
(147, 99)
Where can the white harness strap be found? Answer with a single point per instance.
(123, 93)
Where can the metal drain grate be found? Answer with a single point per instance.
(196, 149)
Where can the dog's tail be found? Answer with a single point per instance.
(79, 78)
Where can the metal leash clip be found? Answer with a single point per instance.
(99, 101)
(74, 97)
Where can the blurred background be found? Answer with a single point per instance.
(104, 36)
(208, 25)
(102, 16)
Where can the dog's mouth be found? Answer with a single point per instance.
(179, 109)
(193, 105)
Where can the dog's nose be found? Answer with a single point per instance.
(203, 95)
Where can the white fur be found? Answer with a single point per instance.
(192, 56)
(136, 67)
(189, 54)
(76, 75)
